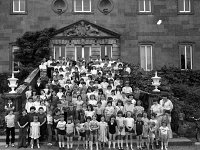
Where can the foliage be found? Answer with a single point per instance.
(182, 86)
(33, 47)
(4, 83)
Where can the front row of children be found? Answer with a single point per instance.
(105, 131)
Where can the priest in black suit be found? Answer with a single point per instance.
(39, 86)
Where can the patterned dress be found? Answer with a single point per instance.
(102, 131)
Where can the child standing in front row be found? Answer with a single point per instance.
(129, 128)
(152, 133)
(10, 128)
(145, 134)
(121, 129)
(35, 131)
(61, 131)
(81, 132)
(139, 130)
(112, 128)
(69, 132)
(87, 131)
(94, 126)
(103, 131)
(164, 135)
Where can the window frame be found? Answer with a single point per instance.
(145, 12)
(146, 68)
(13, 49)
(106, 50)
(85, 12)
(180, 12)
(12, 12)
(82, 51)
(185, 54)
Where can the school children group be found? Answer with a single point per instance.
(91, 101)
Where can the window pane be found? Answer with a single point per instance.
(102, 51)
(147, 5)
(187, 5)
(62, 51)
(78, 5)
(188, 50)
(22, 5)
(142, 57)
(57, 52)
(109, 51)
(78, 52)
(182, 53)
(141, 5)
(181, 5)
(86, 53)
(149, 57)
(86, 4)
(16, 5)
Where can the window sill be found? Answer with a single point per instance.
(82, 13)
(18, 13)
(185, 13)
(145, 13)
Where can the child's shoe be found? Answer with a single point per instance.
(31, 146)
(13, 145)
(6, 146)
(38, 146)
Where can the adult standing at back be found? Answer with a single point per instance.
(157, 109)
(39, 86)
(166, 103)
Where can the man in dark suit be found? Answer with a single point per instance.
(38, 86)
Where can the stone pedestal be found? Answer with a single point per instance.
(16, 99)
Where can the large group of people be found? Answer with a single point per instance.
(92, 100)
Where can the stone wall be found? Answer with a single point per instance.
(124, 19)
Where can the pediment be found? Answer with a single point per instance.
(85, 29)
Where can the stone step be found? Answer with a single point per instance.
(172, 142)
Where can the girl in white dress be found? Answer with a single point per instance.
(129, 128)
(35, 131)
(103, 131)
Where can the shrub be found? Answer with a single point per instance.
(33, 47)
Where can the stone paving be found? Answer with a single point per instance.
(194, 147)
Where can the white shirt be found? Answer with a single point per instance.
(89, 113)
(129, 122)
(94, 72)
(92, 102)
(28, 106)
(157, 109)
(129, 107)
(49, 119)
(10, 121)
(49, 62)
(42, 67)
(166, 105)
(61, 125)
(164, 130)
(127, 89)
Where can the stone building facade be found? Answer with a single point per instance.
(151, 33)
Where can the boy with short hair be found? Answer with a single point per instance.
(10, 128)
